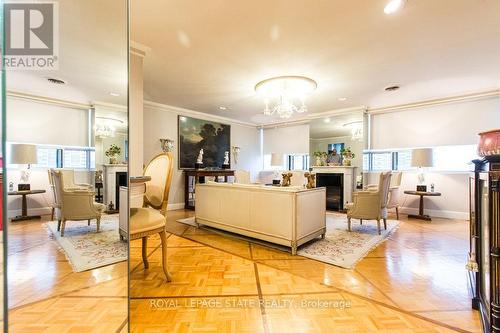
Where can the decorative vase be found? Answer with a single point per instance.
(323, 161)
(346, 162)
(489, 143)
(112, 160)
(167, 145)
(318, 160)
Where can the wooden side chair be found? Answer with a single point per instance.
(371, 204)
(151, 218)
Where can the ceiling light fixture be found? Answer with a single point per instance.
(114, 94)
(223, 108)
(356, 129)
(285, 90)
(327, 120)
(393, 6)
(106, 127)
(342, 99)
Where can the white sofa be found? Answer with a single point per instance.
(289, 216)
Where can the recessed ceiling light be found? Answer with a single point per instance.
(393, 6)
(342, 99)
(55, 81)
(114, 94)
(222, 108)
(326, 120)
(392, 88)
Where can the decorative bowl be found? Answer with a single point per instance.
(489, 143)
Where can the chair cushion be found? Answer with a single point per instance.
(145, 219)
(100, 207)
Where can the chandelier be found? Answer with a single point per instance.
(285, 92)
(356, 130)
(106, 127)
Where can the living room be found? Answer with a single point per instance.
(266, 167)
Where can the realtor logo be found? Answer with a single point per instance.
(31, 35)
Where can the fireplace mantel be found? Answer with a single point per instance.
(349, 173)
(109, 174)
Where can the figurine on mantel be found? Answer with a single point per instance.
(225, 164)
(199, 161)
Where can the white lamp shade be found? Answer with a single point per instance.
(276, 159)
(422, 158)
(22, 154)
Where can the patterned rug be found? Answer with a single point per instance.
(87, 249)
(343, 248)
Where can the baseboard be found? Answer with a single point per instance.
(447, 214)
(175, 206)
(31, 211)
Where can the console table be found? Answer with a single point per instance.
(197, 176)
(421, 215)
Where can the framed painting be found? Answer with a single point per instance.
(195, 134)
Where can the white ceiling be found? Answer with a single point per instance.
(210, 53)
(92, 55)
(206, 54)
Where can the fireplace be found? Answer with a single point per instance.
(121, 180)
(334, 183)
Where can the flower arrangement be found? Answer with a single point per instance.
(112, 152)
(347, 156)
(320, 157)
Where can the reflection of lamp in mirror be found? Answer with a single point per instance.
(356, 130)
(25, 155)
(422, 158)
(167, 145)
(106, 127)
(236, 153)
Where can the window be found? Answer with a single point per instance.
(381, 161)
(47, 157)
(79, 158)
(446, 158)
(298, 162)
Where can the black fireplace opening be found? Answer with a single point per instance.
(334, 183)
(121, 180)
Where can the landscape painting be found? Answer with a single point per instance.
(195, 134)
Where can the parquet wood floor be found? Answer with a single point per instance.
(413, 282)
(45, 295)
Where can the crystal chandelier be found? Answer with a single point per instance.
(356, 130)
(106, 127)
(284, 91)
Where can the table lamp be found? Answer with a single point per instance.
(422, 158)
(276, 160)
(23, 155)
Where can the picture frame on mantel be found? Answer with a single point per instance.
(195, 134)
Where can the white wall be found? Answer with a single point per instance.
(160, 121)
(447, 124)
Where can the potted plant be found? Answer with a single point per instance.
(320, 157)
(112, 152)
(347, 156)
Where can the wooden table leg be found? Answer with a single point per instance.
(420, 215)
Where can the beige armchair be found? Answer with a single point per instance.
(394, 200)
(73, 204)
(242, 177)
(371, 204)
(69, 180)
(151, 219)
(298, 178)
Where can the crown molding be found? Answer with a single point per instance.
(188, 112)
(438, 101)
(48, 100)
(113, 106)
